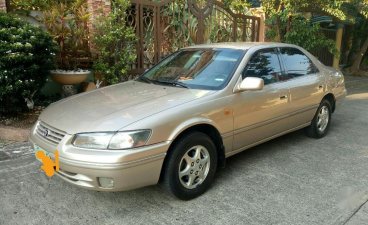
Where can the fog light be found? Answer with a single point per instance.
(106, 182)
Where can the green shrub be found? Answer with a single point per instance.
(115, 43)
(308, 36)
(26, 56)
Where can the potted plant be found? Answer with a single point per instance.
(67, 23)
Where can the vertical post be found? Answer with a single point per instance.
(244, 27)
(138, 34)
(253, 29)
(141, 41)
(262, 27)
(258, 29)
(157, 33)
(200, 29)
(338, 41)
(235, 28)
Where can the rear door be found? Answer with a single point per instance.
(305, 82)
(261, 114)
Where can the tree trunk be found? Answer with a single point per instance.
(358, 59)
(348, 45)
(8, 5)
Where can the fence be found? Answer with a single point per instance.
(165, 26)
(323, 54)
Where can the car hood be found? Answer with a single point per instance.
(114, 107)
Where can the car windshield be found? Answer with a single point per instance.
(209, 69)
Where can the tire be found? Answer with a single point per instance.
(186, 174)
(321, 122)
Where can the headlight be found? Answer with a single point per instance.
(113, 140)
(92, 140)
(133, 139)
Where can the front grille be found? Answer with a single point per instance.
(49, 133)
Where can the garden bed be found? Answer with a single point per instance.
(17, 128)
(24, 120)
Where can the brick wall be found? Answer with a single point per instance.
(96, 8)
(2, 5)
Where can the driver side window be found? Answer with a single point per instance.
(264, 64)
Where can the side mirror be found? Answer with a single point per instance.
(251, 84)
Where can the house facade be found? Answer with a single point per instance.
(2, 5)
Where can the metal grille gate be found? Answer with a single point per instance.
(164, 26)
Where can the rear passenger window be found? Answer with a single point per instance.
(264, 64)
(297, 64)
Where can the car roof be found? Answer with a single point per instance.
(241, 45)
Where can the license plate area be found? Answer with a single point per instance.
(37, 149)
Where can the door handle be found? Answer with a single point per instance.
(283, 97)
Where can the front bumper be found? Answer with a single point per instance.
(129, 169)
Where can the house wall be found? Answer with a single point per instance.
(2, 5)
(97, 8)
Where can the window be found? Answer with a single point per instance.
(297, 64)
(206, 68)
(264, 64)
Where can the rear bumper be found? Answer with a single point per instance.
(128, 169)
(339, 96)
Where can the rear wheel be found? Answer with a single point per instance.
(190, 166)
(321, 121)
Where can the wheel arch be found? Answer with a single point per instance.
(205, 128)
(331, 98)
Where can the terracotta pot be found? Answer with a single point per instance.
(69, 77)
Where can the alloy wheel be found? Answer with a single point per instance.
(194, 167)
(323, 118)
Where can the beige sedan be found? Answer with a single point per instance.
(179, 121)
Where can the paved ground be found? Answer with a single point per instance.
(290, 180)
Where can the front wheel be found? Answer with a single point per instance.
(321, 121)
(190, 166)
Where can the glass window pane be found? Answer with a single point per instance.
(264, 64)
(297, 64)
(198, 68)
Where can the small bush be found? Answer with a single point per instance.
(26, 56)
(115, 44)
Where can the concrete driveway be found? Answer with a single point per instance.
(290, 180)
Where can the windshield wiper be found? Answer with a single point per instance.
(172, 83)
(145, 79)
